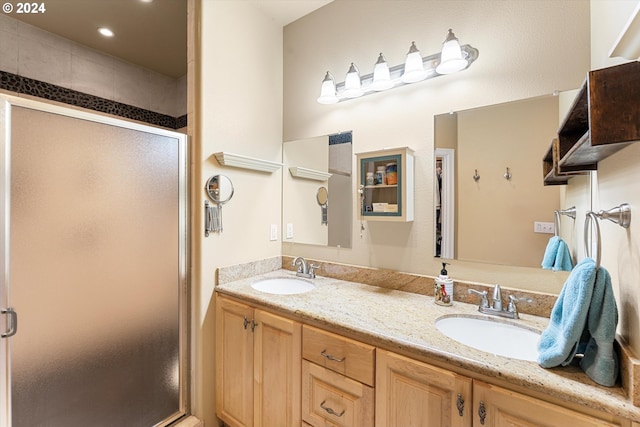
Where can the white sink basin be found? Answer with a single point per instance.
(496, 337)
(283, 286)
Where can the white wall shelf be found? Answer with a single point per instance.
(306, 173)
(245, 162)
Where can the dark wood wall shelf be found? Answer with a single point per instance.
(603, 119)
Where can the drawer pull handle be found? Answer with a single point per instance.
(482, 412)
(330, 357)
(331, 411)
(460, 405)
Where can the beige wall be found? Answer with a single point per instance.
(515, 62)
(240, 111)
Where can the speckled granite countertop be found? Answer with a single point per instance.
(402, 321)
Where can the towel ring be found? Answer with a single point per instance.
(570, 212)
(592, 218)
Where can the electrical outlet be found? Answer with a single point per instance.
(289, 231)
(274, 232)
(543, 227)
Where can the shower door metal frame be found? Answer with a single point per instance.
(6, 103)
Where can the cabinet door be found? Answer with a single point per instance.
(277, 371)
(413, 394)
(234, 363)
(498, 407)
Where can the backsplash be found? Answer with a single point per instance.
(541, 304)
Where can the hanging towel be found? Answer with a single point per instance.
(600, 361)
(563, 259)
(557, 256)
(559, 342)
(550, 253)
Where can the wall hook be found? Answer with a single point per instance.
(507, 175)
(476, 177)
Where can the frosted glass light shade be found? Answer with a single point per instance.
(451, 59)
(328, 90)
(352, 83)
(413, 67)
(381, 76)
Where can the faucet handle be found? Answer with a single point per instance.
(312, 273)
(511, 308)
(484, 301)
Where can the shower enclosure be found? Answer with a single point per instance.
(93, 291)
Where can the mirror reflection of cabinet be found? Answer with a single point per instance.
(386, 182)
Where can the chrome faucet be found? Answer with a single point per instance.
(304, 270)
(496, 309)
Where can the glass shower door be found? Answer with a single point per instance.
(97, 272)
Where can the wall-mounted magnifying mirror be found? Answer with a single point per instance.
(219, 188)
(323, 198)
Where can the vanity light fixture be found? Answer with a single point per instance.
(381, 77)
(352, 83)
(413, 66)
(451, 59)
(328, 94)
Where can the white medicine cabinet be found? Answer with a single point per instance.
(385, 184)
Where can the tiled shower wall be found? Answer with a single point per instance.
(32, 53)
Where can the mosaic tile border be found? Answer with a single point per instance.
(40, 89)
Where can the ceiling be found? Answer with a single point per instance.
(150, 34)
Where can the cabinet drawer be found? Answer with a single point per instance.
(331, 399)
(351, 358)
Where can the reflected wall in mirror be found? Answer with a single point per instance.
(302, 219)
(482, 213)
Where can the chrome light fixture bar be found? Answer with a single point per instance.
(452, 59)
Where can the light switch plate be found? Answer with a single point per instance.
(289, 231)
(274, 232)
(543, 227)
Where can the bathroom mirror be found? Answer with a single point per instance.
(219, 189)
(328, 159)
(481, 213)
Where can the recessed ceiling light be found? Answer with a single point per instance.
(105, 32)
(146, 1)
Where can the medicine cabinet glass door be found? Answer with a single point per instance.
(386, 185)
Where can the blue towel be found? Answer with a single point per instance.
(563, 258)
(600, 361)
(559, 342)
(557, 256)
(583, 320)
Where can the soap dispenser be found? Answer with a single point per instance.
(443, 287)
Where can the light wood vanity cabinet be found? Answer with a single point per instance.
(258, 366)
(274, 371)
(337, 380)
